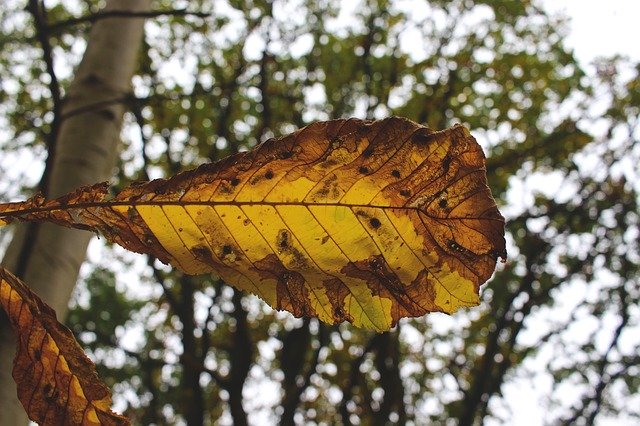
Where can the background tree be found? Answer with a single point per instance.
(81, 139)
(563, 159)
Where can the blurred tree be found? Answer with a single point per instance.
(557, 333)
(81, 139)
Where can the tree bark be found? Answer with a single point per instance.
(86, 151)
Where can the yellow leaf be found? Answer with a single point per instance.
(364, 221)
(57, 383)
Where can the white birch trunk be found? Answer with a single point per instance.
(86, 152)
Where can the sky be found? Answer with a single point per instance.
(600, 28)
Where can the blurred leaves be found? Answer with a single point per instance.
(563, 155)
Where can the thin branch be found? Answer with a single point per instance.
(296, 368)
(592, 403)
(352, 381)
(39, 14)
(365, 60)
(58, 26)
(321, 338)
(387, 363)
(192, 395)
(136, 110)
(485, 378)
(160, 279)
(228, 87)
(205, 340)
(241, 358)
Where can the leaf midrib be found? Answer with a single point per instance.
(106, 204)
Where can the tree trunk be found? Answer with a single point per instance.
(86, 147)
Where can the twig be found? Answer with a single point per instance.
(136, 110)
(39, 14)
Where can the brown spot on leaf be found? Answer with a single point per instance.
(446, 163)
(422, 288)
(422, 136)
(395, 174)
(203, 253)
(337, 291)
(295, 258)
(368, 151)
(374, 222)
(226, 253)
(329, 187)
(282, 240)
(457, 248)
(291, 292)
(383, 282)
(268, 174)
(52, 396)
(495, 255)
(225, 187)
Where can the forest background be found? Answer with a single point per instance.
(556, 339)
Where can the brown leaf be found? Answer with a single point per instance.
(57, 383)
(365, 221)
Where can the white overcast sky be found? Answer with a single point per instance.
(601, 28)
